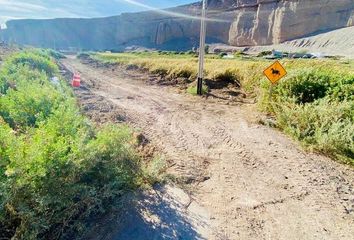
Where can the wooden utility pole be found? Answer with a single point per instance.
(202, 49)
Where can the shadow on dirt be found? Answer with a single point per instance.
(160, 215)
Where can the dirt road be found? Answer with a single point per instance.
(247, 181)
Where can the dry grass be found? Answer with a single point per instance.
(246, 70)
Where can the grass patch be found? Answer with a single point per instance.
(154, 170)
(174, 65)
(193, 90)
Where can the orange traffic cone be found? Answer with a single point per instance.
(76, 80)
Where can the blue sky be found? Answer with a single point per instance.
(18, 9)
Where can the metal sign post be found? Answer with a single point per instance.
(202, 49)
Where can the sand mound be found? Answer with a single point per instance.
(337, 42)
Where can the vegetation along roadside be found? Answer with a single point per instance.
(313, 104)
(58, 172)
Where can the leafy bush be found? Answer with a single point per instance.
(6, 140)
(34, 60)
(55, 54)
(342, 87)
(30, 102)
(307, 86)
(11, 75)
(193, 90)
(326, 125)
(317, 108)
(58, 172)
(64, 174)
(310, 85)
(48, 53)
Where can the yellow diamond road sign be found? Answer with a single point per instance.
(275, 72)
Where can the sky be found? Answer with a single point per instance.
(19, 9)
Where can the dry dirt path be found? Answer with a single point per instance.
(248, 181)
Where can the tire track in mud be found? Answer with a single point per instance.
(254, 182)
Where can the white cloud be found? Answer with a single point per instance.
(20, 6)
(18, 9)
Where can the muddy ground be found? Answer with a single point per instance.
(241, 180)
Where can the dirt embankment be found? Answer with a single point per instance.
(226, 89)
(246, 181)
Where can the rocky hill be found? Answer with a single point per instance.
(262, 22)
(234, 22)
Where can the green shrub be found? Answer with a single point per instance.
(310, 85)
(35, 61)
(29, 104)
(327, 126)
(58, 173)
(54, 54)
(306, 86)
(64, 174)
(193, 90)
(11, 75)
(317, 108)
(154, 171)
(6, 141)
(342, 88)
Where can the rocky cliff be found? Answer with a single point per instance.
(149, 29)
(263, 22)
(236, 22)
